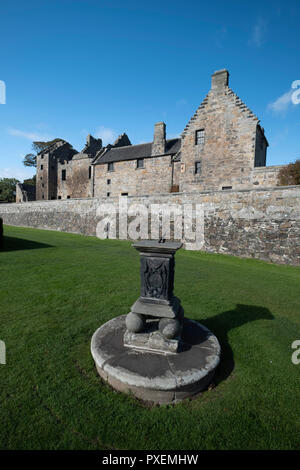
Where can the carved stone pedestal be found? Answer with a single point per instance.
(156, 301)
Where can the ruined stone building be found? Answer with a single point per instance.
(25, 192)
(222, 147)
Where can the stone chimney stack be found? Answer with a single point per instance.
(159, 139)
(219, 80)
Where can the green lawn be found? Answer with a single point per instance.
(58, 288)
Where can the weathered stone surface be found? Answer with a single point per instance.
(135, 322)
(256, 231)
(170, 328)
(233, 142)
(150, 340)
(47, 172)
(126, 178)
(78, 181)
(156, 377)
(157, 299)
(25, 192)
(159, 139)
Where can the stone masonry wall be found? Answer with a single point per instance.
(77, 184)
(227, 152)
(266, 176)
(45, 167)
(19, 193)
(155, 177)
(260, 223)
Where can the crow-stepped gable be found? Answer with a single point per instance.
(222, 147)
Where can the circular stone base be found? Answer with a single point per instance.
(156, 377)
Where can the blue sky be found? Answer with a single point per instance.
(73, 67)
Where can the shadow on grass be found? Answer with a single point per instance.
(222, 323)
(13, 244)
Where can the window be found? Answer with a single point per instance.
(42, 196)
(124, 194)
(140, 163)
(42, 167)
(107, 194)
(63, 175)
(108, 181)
(224, 188)
(197, 168)
(90, 172)
(200, 137)
(68, 197)
(59, 197)
(110, 166)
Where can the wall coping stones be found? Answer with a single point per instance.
(294, 188)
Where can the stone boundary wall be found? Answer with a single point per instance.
(261, 223)
(266, 176)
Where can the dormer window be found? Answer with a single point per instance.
(199, 137)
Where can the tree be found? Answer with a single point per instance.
(37, 147)
(30, 181)
(29, 160)
(289, 174)
(8, 189)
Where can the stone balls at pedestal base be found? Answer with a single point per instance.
(170, 328)
(156, 377)
(135, 322)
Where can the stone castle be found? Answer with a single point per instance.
(223, 147)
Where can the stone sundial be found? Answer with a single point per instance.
(153, 351)
(156, 301)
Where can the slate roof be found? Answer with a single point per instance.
(132, 152)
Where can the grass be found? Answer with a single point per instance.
(58, 288)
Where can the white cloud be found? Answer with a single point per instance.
(107, 135)
(282, 103)
(33, 136)
(18, 173)
(2, 92)
(258, 33)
